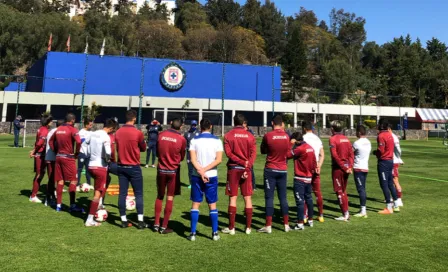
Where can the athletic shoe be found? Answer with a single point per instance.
(78, 188)
(192, 237)
(153, 166)
(342, 218)
(360, 215)
(58, 209)
(248, 231)
(165, 231)
(75, 208)
(228, 231)
(125, 224)
(35, 200)
(299, 227)
(155, 228)
(399, 202)
(267, 230)
(310, 223)
(287, 228)
(146, 166)
(321, 219)
(215, 236)
(305, 220)
(92, 224)
(141, 225)
(397, 209)
(189, 186)
(386, 211)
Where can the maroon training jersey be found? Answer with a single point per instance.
(130, 142)
(41, 140)
(63, 140)
(277, 146)
(171, 149)
(240, 146)
(304, 162)
(385, 146)
(113, 156)
(341, 149)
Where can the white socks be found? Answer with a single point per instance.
(140, 217)
(90, 218)
(363, 210)
(124, 218)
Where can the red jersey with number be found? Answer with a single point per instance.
(130, 142)
(64, 139)
(277, 146)
(171, 149)
(240, 146)
(342, 155)
(41, 140)
(304, 162)
(386, 146)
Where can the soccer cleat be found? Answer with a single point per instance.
(267, 230)
(310, 223)
(386, 211)
(141, 225)
(248, 231)
(146, 166)
(396, 209)
(165, 231)
(321, 219)
(399, 202)
(299, 227)
(92, 224)
(342, 218)
(125, 224)
(153, 166)
(215, 236)
(360, 215)
(75, 208)
(155, 228)
(228, 231)
(35, 200)
(58, 209)
(287, 228)
(192, 237)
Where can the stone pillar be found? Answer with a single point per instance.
(5, 107)
(265, 118)
(324, 120)
(351, 122)
(165, 116)
(48, 108)
(295, 118)
(233, 114)
(200, 116)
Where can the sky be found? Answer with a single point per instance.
(385, 19)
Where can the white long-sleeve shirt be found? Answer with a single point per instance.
(99, 149)
(362, 149)
(397, 150)
(50, 155)
(84, 135)
(315, 142)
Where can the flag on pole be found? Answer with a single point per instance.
(50, 42)
(86, 51)
(102, 47)
(68, 44)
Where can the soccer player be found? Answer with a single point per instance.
(342, 158)
(130, 142)
(38, 153)
(397, 162)
(63, 144)
(362, 148)
(240, 147)
(305, 166)
(385, 155)
(50, 160)
(83, 159)
(171, 148)
(206, 154)
(112, 167)
(313, 140)
(189, 135)
(277, 146)
(99, 151)
(17, 128)
(153, 134)
(254, 184)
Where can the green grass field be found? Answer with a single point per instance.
(36, 238)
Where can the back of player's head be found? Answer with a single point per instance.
(131, 115)
(307, 126)
(176, 123)
(70, 117)
(336, 125)
(46, 119)
(87, 121)
(297, 136)
(205, 124)
(239, 119)
(277, 120)
(110, 123)
(383, 124)
(361, 130)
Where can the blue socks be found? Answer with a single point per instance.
(194, 219)
(214, 219)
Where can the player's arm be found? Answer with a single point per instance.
(230, 155)
(321, 157)
(52, 142)
(381, 146)
(183, 149)
(107, 148)
(397, 149)
(351, 156)
(141, 142)
(253, 153)
(218, 157)
(77, 139)
(264, 146)
(335, 155)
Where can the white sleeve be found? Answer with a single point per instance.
(398, 148)
(192, 145)
(220, 147)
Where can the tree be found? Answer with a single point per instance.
(27, 6)
(159, 13)
(295, 58)
(160, 40)
(306, 17)
(436, 49)
(191, 16)
(223, 12)
(91, 112)
(339, 79)
(251, 17)
(273, 25)
(323, 25)
(198, 43)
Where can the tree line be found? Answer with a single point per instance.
(322, 61)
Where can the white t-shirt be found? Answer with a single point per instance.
(362, 149)
(99, 148)
(397, 150)
(49, 153)
(314, 141)
(84, 135)
(206, 146)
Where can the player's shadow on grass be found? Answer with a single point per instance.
(261, 214)
(368, 198)
(351, 205)
(241, 218)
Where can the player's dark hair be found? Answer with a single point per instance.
(239, 119)
(176, 123)
(205, 124)
(277, 120)
(306, 125)
(383, 124)
(130, 115)
(336, 125)
(297, 136)
(46, 119)
(70, 117)
(110, 123)
(59, 123)
(87, 121)
(361, 130)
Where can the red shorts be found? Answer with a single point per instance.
(315, 183)
(65, 169)
(169, 183)
(99, 175)
(235, 180)
(39, 165)
(50, 170)
(395, 173)
(339, 180)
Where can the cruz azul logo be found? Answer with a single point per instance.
(173, 77)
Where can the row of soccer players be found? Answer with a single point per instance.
(206, 153)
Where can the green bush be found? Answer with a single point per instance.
(370, 123)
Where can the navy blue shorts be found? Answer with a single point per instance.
(199, 188)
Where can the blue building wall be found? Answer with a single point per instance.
(116, 75)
